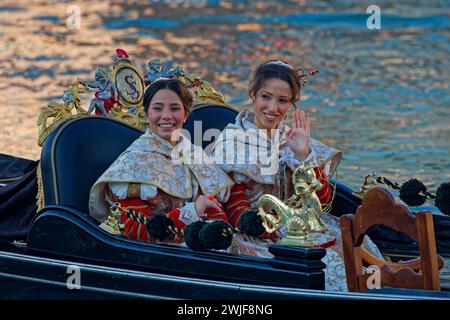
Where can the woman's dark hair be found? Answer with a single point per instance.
(172, 84)
(277, 69)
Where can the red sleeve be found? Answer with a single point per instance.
(237, 203)
(215, 214)
(133, 229)
(325, 193)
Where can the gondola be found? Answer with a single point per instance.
(63, 238)
(60, 252)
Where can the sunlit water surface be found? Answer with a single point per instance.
(382, 96)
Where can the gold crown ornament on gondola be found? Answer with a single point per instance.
(412, 192)
(118, 93)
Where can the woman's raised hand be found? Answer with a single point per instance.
(299, 136)
(205, 202)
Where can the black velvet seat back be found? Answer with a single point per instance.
(77, 153)
(80, 150)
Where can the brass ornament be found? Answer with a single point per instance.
(373, 180)
(369, 181)
(112, 223)
(300, 214)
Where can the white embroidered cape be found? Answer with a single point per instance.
(154, 161)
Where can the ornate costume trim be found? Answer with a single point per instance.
(149, 160)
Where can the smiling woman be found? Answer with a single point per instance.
(167, 104)
(153, 195)
(274, 88)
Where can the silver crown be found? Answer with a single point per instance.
(280, 63)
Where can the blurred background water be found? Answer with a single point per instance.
(382, 96)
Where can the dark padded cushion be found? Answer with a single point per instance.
(77, 153)
(80, 150)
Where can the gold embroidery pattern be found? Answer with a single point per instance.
(148, 160)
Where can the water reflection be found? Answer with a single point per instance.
(381, 96)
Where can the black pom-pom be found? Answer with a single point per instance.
(191, 235)
(442, 200)
(409, 192)
(158, 226)
(251, 223)
(216, 235)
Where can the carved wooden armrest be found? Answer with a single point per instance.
(413, 263)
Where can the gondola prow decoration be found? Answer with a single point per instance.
(301, 214)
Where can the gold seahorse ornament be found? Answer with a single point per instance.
(300, 214)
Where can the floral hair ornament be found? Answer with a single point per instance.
(303, 76)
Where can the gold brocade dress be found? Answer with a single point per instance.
(170, 178)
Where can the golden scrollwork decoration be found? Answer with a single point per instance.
(201, 90)
(59, 112)
(118, 93)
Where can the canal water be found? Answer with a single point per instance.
(382, 95)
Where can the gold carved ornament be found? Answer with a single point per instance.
(201, 90)
(119, 92)
(61, 112)
(300, 214)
